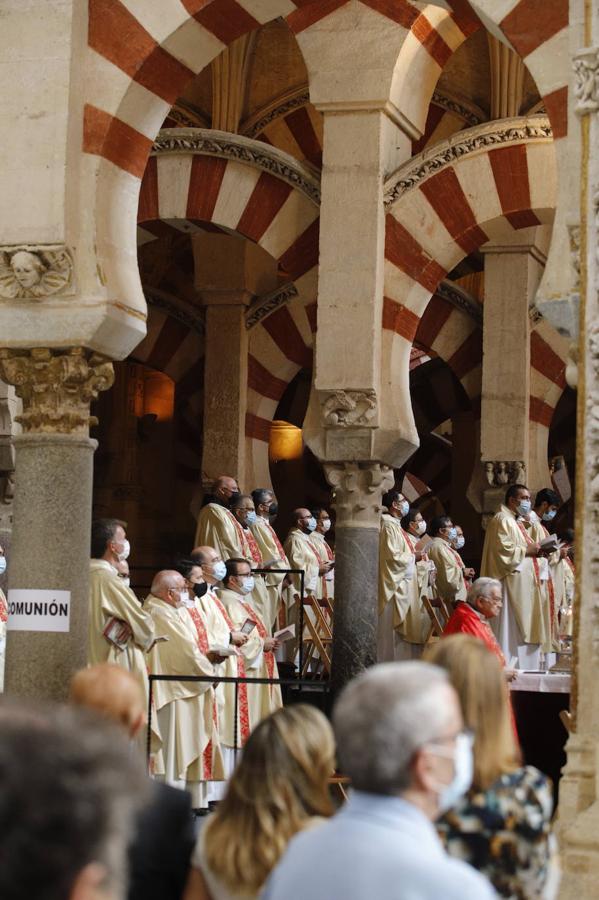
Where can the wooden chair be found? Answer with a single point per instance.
(319, 640)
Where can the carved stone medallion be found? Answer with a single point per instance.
(29, 272)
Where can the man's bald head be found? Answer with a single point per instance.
(301, 513)
(167, 584)
(207, 557)
(112, 692)
(223, 487)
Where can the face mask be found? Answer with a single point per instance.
(2, 565)
(247, 585)
(251, 517)
(452, 534)
(421, 527)
(548, 516)
(524, 507)
(311, 523)
(462, 776)
(404, 508)
(273, 509)
(200, 589)
(184, 599)
(124, 554)
(326, 524)
(219, 570)
(460, 541)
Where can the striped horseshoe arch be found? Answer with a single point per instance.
(197, 179)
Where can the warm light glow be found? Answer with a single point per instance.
(159, 395)
(285, 442)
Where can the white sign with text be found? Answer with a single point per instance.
(38, 610)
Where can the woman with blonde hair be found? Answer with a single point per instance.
(279, 787)
(502, 826)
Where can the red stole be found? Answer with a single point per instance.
(244, 713)
(278, 544)
(249, 547)
(268, 656)
(3, 611)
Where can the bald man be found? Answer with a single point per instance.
(214, 524)
(164, 837)
(187, 755)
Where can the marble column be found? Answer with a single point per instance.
(512, 273)
(229, 272)
(578, 821)
(52, 507)
(358, 489)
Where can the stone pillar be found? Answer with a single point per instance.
(578, 821)
(512, 273)
(229, 272)
(229, 84)
(358, 489)
(52, 507)
(507, 80)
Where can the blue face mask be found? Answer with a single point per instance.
(452, 533)
(549, 516)
(219, 570)
(460, 541)
(251, 517)
(2, 565)
(311, 523)
(524, 507)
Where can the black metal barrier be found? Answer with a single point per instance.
(313, 687)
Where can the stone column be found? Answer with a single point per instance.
(52, 507)
(578, 821)
(358, 489)
(512, 273)
(229, 272)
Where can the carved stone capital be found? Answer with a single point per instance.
(344, 409)
(359, 488)
(501, 473)
(32, 272)
(56, 387)
(586, 80)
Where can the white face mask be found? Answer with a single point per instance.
(524, 507)
(247, 584)
(219, 570)
(182, 599)
(2, 565)
(124, 554)
(326, 524)
(459, 542)
(449, 794)
(421, 527)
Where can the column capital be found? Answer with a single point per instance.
(586, 80)
(359, 488)
(56, 387)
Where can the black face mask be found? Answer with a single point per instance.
(273, 509)
(200, 589)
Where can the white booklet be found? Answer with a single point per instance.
(285, 634)
(224, 651)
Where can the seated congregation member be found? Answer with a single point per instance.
(163, 836)
(502, 826)
(451, 583)
(69, 791)
(280, 787)
(398, 729)
(120, 630)
(186, 751)
(256, 659)
(403, 623)
(471, 616)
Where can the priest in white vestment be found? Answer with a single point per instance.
(272, 551)
(187, 755)
(511, 556)
(403, 622)
(545, 508)
(322, 518)
(450, 578)
(120, 631)
(227, 529)
(256, 659)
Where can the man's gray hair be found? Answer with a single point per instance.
(482, 587)
(383, 717)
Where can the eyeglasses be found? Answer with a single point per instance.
(452, 738)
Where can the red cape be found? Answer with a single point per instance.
(465, 620)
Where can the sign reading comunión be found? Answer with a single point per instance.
(38, 610)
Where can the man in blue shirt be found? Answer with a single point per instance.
(400, 740)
